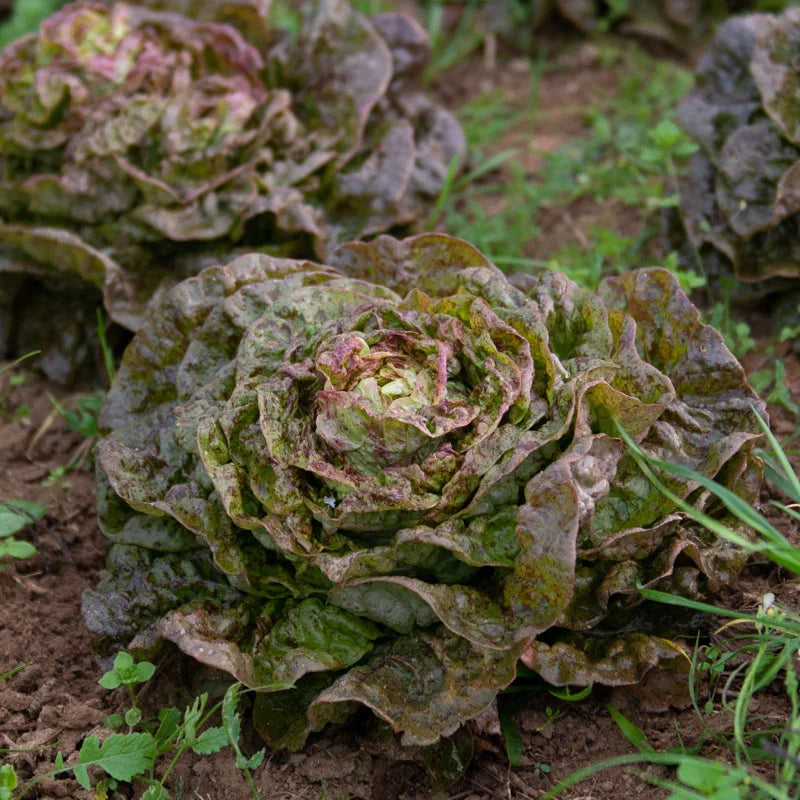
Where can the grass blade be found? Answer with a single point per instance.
(511, 737)
(786, 625)
(631, 732)
(489, 165)
(789, 473)
(447, 187)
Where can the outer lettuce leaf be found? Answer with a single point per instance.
(407, 470)
(740, 203)
(136, 144)
(610, 661)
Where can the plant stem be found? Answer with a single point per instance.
(12, 672)
(249, 778)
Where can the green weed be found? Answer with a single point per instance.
(136, 754)
(26, 16)
(770, 383)
(57, 477)
(736, 333)
(16, 516)
(18, 379)
(790, 332)
(448, 47)
(736, 672)
(8, 781)
(10, 674)
(631, 156)
(108, 355)
(83, 417)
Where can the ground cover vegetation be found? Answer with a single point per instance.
(410, 481)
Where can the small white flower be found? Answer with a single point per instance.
(330, 500)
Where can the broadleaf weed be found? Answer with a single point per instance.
(15, 517)
(135, 754)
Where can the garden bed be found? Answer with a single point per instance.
(54, 701)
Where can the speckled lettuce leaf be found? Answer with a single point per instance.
(741, 199)
(149, 142)
(249, 16)
(423, 684)
(349, 65)
(775, 72)
(609, 660)
(139, 587)
(304, 637)
(725, 94)
(408, 470)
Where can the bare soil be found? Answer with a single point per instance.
(55, 701)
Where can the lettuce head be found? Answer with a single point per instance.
(138, 145)
(388, 480)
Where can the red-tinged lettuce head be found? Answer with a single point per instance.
(740, 203)
(676, 22)
(387, 480)
(681, 24)
(136, 146)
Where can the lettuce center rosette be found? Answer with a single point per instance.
(378, 418)
(388, 480)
